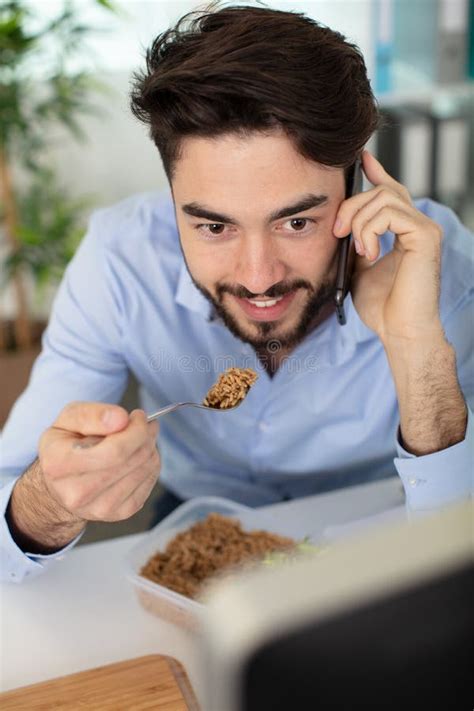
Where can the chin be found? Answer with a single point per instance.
(260, 335)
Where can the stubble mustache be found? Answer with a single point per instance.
(279, 289)
(318, 298)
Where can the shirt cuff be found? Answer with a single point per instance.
(440, 478)
(15, 564)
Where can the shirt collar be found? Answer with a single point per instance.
(332, 344)
(360, 331)
(188, 295)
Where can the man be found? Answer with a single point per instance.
(259, 117)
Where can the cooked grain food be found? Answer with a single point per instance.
(231, 388)
(208, 548)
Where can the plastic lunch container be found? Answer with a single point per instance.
(168, 604)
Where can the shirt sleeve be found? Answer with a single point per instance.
(81, 359)
(437, 479)
(15, 565)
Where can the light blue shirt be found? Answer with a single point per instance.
(329, 417)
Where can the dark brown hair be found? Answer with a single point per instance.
(244, 69)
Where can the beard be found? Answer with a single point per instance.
(319, 298)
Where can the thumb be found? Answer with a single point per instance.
(92, 418)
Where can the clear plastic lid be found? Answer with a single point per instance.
(162, 600)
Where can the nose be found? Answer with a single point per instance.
(258, 265)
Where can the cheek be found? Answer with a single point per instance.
(311, 257)
(206, 263)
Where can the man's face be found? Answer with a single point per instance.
(255, 220)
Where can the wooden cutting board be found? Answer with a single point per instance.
(148, 683)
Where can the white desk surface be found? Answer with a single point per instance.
(83, 613)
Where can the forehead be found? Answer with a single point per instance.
(258, 166)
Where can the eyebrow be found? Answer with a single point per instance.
(307, 202)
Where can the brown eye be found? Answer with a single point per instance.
(216, 228)
(298, 223)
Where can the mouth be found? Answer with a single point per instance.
(266, 309)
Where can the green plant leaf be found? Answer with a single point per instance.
(50, 230)
(107, 4)
(24, 112)
(38, 91)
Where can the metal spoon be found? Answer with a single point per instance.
(92, 440)
(171, 408)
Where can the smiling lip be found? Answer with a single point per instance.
(266, 313)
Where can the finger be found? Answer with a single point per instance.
(351, 206)
(91, 486)
(388, 218)
(110, 505)
(60, 458)
(115, 449)
(154, 428)
(92, 440)
(370, 247)
(147, 457)
(135, 501)
(92, 418)
(372, 199)
(377, 175)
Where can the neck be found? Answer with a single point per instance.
(272, 361)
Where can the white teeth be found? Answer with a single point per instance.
(265, 304)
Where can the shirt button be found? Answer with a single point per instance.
(416, 482)
(263, 426)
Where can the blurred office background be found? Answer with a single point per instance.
(420, 58)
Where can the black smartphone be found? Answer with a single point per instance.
(353, 186)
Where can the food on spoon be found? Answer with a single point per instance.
(231, 388)
(208, 548)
